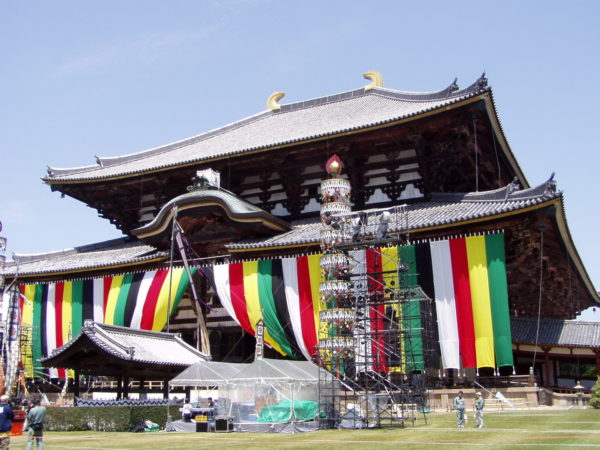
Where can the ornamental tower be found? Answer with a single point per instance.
(336, 341)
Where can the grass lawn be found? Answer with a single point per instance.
(540, 429)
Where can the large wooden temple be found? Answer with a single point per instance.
(442, 154)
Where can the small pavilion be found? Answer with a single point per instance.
(125, 354)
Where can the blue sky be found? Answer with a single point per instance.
(80, 79)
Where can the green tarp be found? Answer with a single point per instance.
(285, 411)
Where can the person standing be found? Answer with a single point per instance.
(6, 417)
(186, 411)
(479, 404)
(35, 425)
(459, 405)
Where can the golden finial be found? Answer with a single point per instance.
(376, 80)
(273, 99)
(334, 165)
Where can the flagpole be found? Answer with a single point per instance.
(171, 268)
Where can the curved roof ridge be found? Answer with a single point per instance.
(452, 91)
(511, 191)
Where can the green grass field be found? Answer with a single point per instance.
(540, 429)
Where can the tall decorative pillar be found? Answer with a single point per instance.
(337, 317)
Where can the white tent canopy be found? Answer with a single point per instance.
(264, 393)
(207, 373)
(279, 370)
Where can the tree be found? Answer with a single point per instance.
(595, 400)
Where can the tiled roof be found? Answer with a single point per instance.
(236, 209)
(442, 209)
(106, 254)
(293, 123)
(141, 346)
(562, 333)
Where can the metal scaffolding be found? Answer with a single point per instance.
(376, 326)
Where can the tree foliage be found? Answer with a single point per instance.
(105, 418)
(595, 400)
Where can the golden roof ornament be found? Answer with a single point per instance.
(334, 166)
(272, 101)
(376, 80)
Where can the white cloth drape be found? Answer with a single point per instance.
(292, 297)
(445, 303)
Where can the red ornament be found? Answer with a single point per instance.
(334, 165)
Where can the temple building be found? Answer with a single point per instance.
(244, 200)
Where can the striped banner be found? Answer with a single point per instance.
(411, 312)
(377, 309)
(466, 277)
(53, 313)
(469, 277)
(284, 293)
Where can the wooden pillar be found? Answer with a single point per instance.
(166, 388)
(125, 386)
(598, 363)
(119, 388)
(76, 388)
(547, 366)
(143, 395)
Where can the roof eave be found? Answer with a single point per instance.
(77, 271)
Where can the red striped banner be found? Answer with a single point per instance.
(53, 313)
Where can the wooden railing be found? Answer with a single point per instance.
(151, 385)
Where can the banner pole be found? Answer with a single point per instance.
(171, 268)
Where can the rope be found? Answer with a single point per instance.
(476, 159)
(541, 288)
(497, 162)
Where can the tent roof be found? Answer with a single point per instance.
(207, 373)
(279, 370)
(211, 373)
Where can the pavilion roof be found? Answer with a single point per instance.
(102, 349)
(315, 119)
(559, 333)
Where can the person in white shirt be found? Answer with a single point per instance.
(186, 411)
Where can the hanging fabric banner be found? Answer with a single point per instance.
(465, 276)
(53, 313)
(411, 313)
(391, 282)
(470, 273)
(499, 298)
(376, 309)
(480, 296)
(445, 304)
(464, 305)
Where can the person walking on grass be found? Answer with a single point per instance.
(35, 425)
(479, 404)
(6, 417)
(459, 405)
